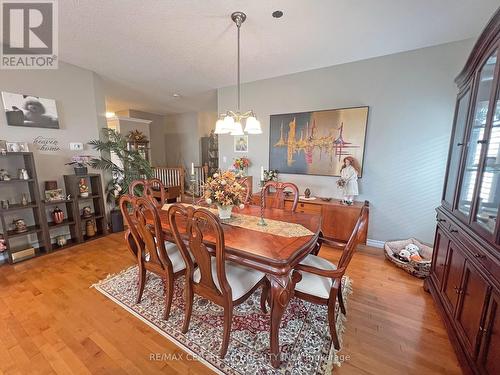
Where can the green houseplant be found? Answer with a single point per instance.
(125, 166)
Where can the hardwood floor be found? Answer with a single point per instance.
(51, 321)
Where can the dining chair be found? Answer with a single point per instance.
(321, 281)
(152, 252)
(279, 195)
(245, 181)
(223, 282)
(149, 188)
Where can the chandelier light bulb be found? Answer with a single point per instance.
(228, 124)
(219, 127)
(238, 129)
(253, 126)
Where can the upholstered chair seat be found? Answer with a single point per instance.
(313, 284)
(241, 279)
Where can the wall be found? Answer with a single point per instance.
(81, 108)
(411, 97)
(182, 136)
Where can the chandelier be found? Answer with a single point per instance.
(231, 121)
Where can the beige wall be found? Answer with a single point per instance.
(81, 107)
(411, 97)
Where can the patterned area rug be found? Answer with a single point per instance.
(304, 335)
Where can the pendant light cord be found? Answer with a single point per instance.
(238, 25)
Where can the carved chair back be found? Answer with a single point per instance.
(198, 223)
(279, 197)
(354, 240)
(147, 189)
(148, 237)
(245, 181)
(126, 204)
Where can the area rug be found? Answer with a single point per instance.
(305, 341)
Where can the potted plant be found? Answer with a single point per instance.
(127, 166)
(224, 190)
(80, 163)
(270, 175)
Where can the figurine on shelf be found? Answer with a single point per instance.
(86, 212)
(23, 174)
(4, 175)
(20, 226)
(83, 188)
(61, 240)
(90, 228)
(24, 200)
(57, 215)
(348, 180)
(3, 245)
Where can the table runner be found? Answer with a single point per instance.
(275, 227)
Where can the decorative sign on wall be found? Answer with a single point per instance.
(316, 143)
(46, 144)
(30, 111)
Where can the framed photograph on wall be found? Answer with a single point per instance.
(315, 143)
(241, 143)
(30, 111)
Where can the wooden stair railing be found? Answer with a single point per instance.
(171, 176)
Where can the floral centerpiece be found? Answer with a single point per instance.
(270, 175)
(241, 166)
(224, 190)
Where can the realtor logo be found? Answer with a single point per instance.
(29, 34)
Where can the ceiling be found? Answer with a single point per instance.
(147, 50)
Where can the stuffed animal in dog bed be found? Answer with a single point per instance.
(410, 252)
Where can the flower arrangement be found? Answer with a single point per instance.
(224, 190)
(80, 161)
(270, 175)
(241, 163)
(341, 183)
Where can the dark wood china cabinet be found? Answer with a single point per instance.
(465, 274)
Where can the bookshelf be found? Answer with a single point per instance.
(95, 201)
(34, 241)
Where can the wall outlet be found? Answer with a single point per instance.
(76, 146)
(224, 159)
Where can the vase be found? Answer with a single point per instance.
(116, 221)
(80, 171)
(224, 212)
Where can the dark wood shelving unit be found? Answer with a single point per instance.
(52, 225)
(43, 227)
(69, 222)
(96, 196)
(34, 207)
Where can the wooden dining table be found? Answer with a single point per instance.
(272, 254)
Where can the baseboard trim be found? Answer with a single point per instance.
(375, 243)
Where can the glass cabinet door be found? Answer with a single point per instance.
(476, 135)
(456, 147)
(489, 191)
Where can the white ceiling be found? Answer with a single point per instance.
(146, 50)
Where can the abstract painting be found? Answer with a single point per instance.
(315, 143)
(30, 111)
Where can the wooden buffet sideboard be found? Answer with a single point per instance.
(337, 220)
